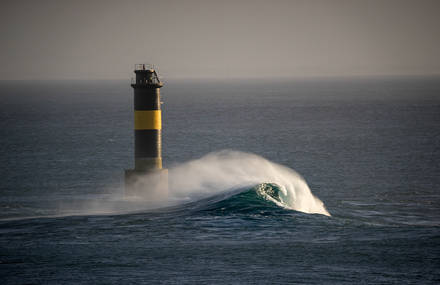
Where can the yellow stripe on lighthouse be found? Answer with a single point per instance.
(148, 120)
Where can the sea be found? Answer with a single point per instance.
(271, 181)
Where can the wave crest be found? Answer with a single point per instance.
(225, 171)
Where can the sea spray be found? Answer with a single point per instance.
(221, 172)
(227, 170)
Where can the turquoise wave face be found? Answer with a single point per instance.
(263, 198)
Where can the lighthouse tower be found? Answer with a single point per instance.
(148, 179)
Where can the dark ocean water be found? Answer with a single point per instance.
(369, 149)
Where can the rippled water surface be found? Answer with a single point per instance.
(369, 150)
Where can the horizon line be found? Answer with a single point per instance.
(235, 78)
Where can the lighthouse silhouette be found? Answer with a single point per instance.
(148, 179)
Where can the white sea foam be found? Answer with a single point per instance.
(225, 170)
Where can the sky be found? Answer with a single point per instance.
(218, 39)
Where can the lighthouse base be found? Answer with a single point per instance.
(150, 185)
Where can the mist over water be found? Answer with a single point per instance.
(226, 172)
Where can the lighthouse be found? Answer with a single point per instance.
(148, 179)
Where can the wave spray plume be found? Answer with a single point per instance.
(227, 170)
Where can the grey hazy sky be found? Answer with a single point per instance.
(103, 39)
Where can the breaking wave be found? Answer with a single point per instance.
(233, 177)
